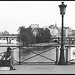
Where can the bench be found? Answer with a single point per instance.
(4, 65)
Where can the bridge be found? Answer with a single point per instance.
(8, 38)
(70, 39)
(55, 45)
(30, 48)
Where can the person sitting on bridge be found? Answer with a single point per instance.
(8, 55)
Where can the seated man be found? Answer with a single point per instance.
(9, 56)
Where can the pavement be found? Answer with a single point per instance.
(42, 69)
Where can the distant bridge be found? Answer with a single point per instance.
(8, 38)
(69, 40)
(13, 36)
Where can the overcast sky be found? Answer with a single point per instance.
(14, 14)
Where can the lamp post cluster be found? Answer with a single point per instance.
(62, 12)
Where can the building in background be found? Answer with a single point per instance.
(68, 31)
(54, 30)
(34, 28)
(73, 33)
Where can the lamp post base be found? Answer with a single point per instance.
(62, 63)
(62, 59)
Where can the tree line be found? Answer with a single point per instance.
(26, 36)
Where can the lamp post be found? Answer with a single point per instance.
(62, 12)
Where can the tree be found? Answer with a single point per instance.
(25, 36)
(43, 35)
(47, 35)
(39, 37)
(21, 29)
(33, 38)
(5, 33)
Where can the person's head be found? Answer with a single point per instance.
(8, 49)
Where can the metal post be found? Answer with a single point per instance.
(7, 40)
(66, 55)
(19, 56)
(56, 55)
(62, 59)
(58, 40)
(69, 40)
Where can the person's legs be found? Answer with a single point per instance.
(12, 65)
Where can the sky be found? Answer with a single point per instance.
(14, 14)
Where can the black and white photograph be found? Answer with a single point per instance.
(37, 37)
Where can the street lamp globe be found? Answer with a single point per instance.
(62, 8)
